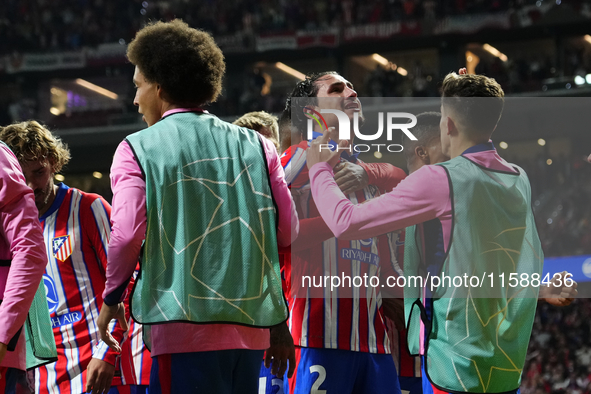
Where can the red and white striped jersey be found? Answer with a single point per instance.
(406, 365)
(76, 230)
(347, 319)
(135, 361)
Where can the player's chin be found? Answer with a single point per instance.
(355, 110)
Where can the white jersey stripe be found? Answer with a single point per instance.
(334, 301)
(355, 271)
(326, 255)
(102, 222)
(305, 322)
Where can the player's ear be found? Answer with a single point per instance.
(422, 153)
(451, 126)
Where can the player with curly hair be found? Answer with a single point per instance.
(210, 200)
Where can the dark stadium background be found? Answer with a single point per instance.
(63, 62)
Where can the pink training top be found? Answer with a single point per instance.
(21, 240)
(128, 218)
(420, 197)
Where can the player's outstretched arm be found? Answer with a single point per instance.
(561, 292)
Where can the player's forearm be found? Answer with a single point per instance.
(383, 175)
(124, 252)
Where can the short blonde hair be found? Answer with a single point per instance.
(32, 141)
(257, 121)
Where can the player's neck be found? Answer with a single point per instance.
(169, 107)
(50, 200)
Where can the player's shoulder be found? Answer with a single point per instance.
(294, 151)
(87, 200)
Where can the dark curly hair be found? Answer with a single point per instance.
(185, 62)
(305, 88)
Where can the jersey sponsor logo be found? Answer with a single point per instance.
(587, 267)
(66, 319)
(50, 293)
(62, 247)
(366, 242)
(361, 255)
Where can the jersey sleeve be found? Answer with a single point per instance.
(22, 243)
(383, 175)
(129, 222)
(422, 196)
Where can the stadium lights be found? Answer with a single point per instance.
(588, 78)
(504, 145)
(380, 59)
(579, 80)
(587, 38)
(495, 52)
(97, 175)
(541, 142)
(293, 72)
(96, 88)
(59, 177)
(385, 62)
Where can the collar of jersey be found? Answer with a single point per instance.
(59, 198)
(480, 148)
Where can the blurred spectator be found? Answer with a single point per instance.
(560, 192)
(559, 355)
(42, 25)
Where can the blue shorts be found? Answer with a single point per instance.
(343, 372)
(269, 383)
(13, 381)
(129, 389)
(233, 371)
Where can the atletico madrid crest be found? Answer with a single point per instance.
(62, 247)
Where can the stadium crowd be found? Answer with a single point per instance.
(559, 354)
(41, 25)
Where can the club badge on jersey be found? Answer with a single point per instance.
(62, 248)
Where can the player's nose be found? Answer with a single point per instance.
(350, 92)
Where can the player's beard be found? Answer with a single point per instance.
(42, 196)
